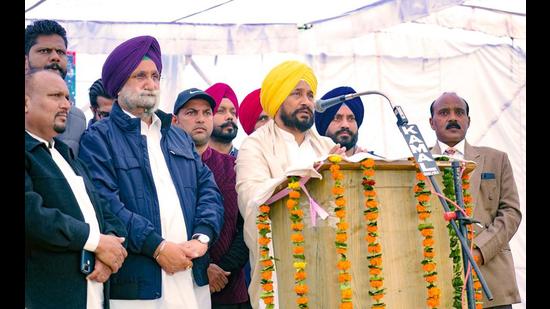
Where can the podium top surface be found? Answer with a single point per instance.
(407, 164)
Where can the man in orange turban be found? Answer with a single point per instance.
(284, 146)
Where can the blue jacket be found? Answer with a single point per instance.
(116, 154)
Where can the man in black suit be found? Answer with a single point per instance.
(64, 216)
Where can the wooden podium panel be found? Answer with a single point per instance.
(401, 242)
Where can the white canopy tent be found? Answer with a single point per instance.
(411, 50)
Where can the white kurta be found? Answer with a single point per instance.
(178, 290)
(265, 159)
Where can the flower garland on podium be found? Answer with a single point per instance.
(374, 248)
(426, 228)
(344, 277)
(297, 226)
(266, 260)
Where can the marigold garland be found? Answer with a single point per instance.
(297, 226)
(426, 228)
(344, 277)
(374, 249)
(266, 260)
(468, 208)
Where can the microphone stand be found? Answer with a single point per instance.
(429, 168)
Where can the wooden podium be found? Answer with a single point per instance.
(401, 242)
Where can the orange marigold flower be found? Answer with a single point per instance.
(372, 228)
(343, 265)
(334, 168)
(297, 237)
(343, 277)
(468, 199)
(267, 274)
(423, 198)
(294, 194)
(346, 305)
(428, 242)
(431, 278)
(298, 250)
(377, 261)
(338, 190)
(342, 225)
(268, 300)
(466, 176)
(368, 193)
(417, 188)
(423, 215)
(341, 237)
(290, 203)
(368, 163)
(421, 208)
(368, 173)
(297, 226)
(267, 263)
(465, 186)
(264, 253)
(468, 211)
(428, 267)
(378, 297)
(478, 296)
(371, 216)
(300, 289)
(375, 271)
(434, 292)
(433, 302)
(346, 293)
(420, 176)
(370, 238)
(376, 248)
(341, 250)
(301, 300)
(297, 212)
(301, 275)
(263, 241)
(479, 306)
(267, 286)
(477, 285)
(340, 201)
(264, 208)
(427, 232)
(340, 213)
(371, 203)
(376, 283)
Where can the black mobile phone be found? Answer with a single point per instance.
(87, 262)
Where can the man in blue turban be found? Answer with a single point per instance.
(341, 122)
(154, 180)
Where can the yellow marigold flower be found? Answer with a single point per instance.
(294, 185)
(299, 265)
(346, 293)
(334, 158)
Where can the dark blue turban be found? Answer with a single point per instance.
(125, 58)
(322, 120)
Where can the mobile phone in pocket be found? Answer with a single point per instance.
(87, 262)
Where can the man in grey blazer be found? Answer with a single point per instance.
(496, 199)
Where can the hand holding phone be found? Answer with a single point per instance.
(87, 262)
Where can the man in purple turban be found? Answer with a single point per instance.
(226, 113)
(154, 181)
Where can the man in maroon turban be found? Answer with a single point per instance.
(226, 114)
(251, 114)
(154, 181)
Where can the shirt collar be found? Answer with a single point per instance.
(458, 147)
(40, 139)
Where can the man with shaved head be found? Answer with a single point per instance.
(495, 195)
(64, 214)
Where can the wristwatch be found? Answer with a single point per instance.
(203, 239)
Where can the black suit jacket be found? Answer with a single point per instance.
(55, 231)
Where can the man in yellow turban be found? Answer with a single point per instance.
(284, 146)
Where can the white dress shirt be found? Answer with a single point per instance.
(76, 183)
(459, 149)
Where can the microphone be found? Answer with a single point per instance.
(322, 105)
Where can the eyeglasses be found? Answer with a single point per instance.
(102, 114)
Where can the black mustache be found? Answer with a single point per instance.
(344, 130)
(452, 125)
(303, 109)
(53, 66)
(229, 123)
